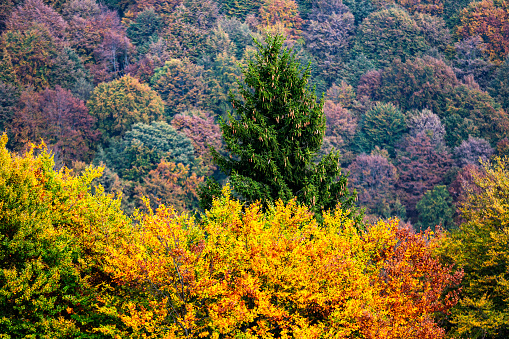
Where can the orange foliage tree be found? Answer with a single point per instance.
(281, 16)
(244, 273)
(490, 21)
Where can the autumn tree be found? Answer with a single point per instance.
(479, 247)
(118, 104)
(35, 12)
(53, 248)
(489, 20)
(203, 132)
(181, 85)
(281, 17)
(145, 29)
(470, 60)
(100, 40)
(473, 151)
(420, 168)
(240, 8)
(29, 56)
(245, 270)
(429, 124)
(187, 28)
(373, 177)
(59, 118)
(279, 129)
(328, 34)
(171, 184)
(340, 127)
(8, 99)
(500, 85)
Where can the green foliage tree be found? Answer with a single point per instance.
(145, 28)
(479, 247)
(381, 126)
(388, 34)
(435, 208)
(274, 139)
(500, 85)
(141, 149)
(52, 249)
(119, 104)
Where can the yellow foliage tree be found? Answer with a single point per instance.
(480, 247)
(244, 273)
(54, 235)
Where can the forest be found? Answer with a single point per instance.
(254, 169)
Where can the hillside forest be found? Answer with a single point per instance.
(254, 169)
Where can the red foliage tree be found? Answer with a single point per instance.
(421, 166)
(60, 119)
(36, 12)
(203, 132)
(373, 177)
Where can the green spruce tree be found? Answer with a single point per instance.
(275, 136)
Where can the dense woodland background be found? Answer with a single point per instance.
(415, 95)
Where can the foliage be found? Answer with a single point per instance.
(223, 75)
(373, 178)
(428, 123)
(142, 148)
(434, 7)
(245, 273)
(173, 185)
(490, 21)
(281, 17)
(500, 85)
(181, 85)
(279, 129)
(355, 69)
(472, 112)
(435, 208)
(470, 60)
(119, 104)
(203, 132)
(360, 9)
(340, 127)
(479, 246)
(473, 151)
(60, 119)
(54, 234)
(30, 56)
(240, 8)
(100, 40)
(381, 126)
(145, 28)
(8, 99)
(36, 13)
(388, 34)
(421, 167)
(328, 33)
(188, 26)
(417, 84)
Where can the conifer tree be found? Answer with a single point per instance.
(275, 135)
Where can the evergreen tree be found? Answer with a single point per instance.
(275, 136)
